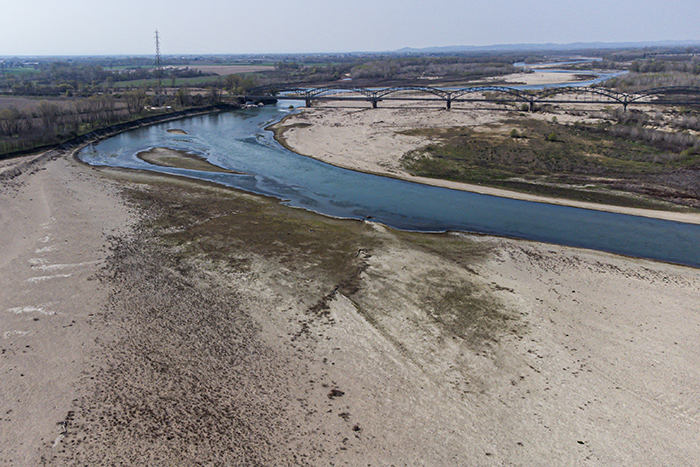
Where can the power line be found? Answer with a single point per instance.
(159, 65)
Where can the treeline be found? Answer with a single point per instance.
(295, 72)
(394, 68)
(655, 70)
(448, 68)
(51, 123)
(238, 84)
(683, 120)
(678, 65)
(634, 82)
(666, 54)
(672, 145)
(80, 79)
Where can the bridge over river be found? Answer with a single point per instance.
(674, 95)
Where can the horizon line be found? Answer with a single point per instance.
(514, 47)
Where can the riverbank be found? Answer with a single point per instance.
(108, 131)
(148, 319)
(541, 78)
(55, 221)
(376, 141)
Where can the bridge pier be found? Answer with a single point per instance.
(374, 103)
(449, 104)
(308, 102)
(532, 106)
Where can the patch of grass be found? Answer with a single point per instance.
(466, 310)
(219, 224)
(554, 160)
(449, 246)
(471, 314)
(20, 71)
(588, 195)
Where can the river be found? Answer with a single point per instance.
(237, 141)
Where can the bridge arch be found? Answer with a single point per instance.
(604, 92)
(274, 89)
(531, 97)
(664, 91)
(442, 94)
(518, 94)
(329, 90)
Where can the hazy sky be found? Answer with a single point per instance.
(82, 27)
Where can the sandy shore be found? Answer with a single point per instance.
(371, 140)
(147, 320)
(54, 221)
(537, 78)
(166, 157)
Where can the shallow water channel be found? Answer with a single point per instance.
(237, 141)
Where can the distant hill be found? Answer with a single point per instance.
(549, 47)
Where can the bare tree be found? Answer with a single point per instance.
(135, 101)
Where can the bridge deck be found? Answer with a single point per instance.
(680, 95)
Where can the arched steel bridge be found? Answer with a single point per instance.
(675, 95)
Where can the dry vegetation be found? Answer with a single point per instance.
(623, 153)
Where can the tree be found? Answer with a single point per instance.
(48, 113)
(232, 82)
(214, 95)
(135, 101)
(10, 121)
(182, 96)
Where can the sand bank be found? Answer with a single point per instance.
(235, 331)
(538, 78)
(371, 140)
(167, 157)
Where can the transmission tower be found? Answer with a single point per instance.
(159, 67)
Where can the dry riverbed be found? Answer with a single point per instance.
(383, 140)
(167, 157)
(152, 320)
